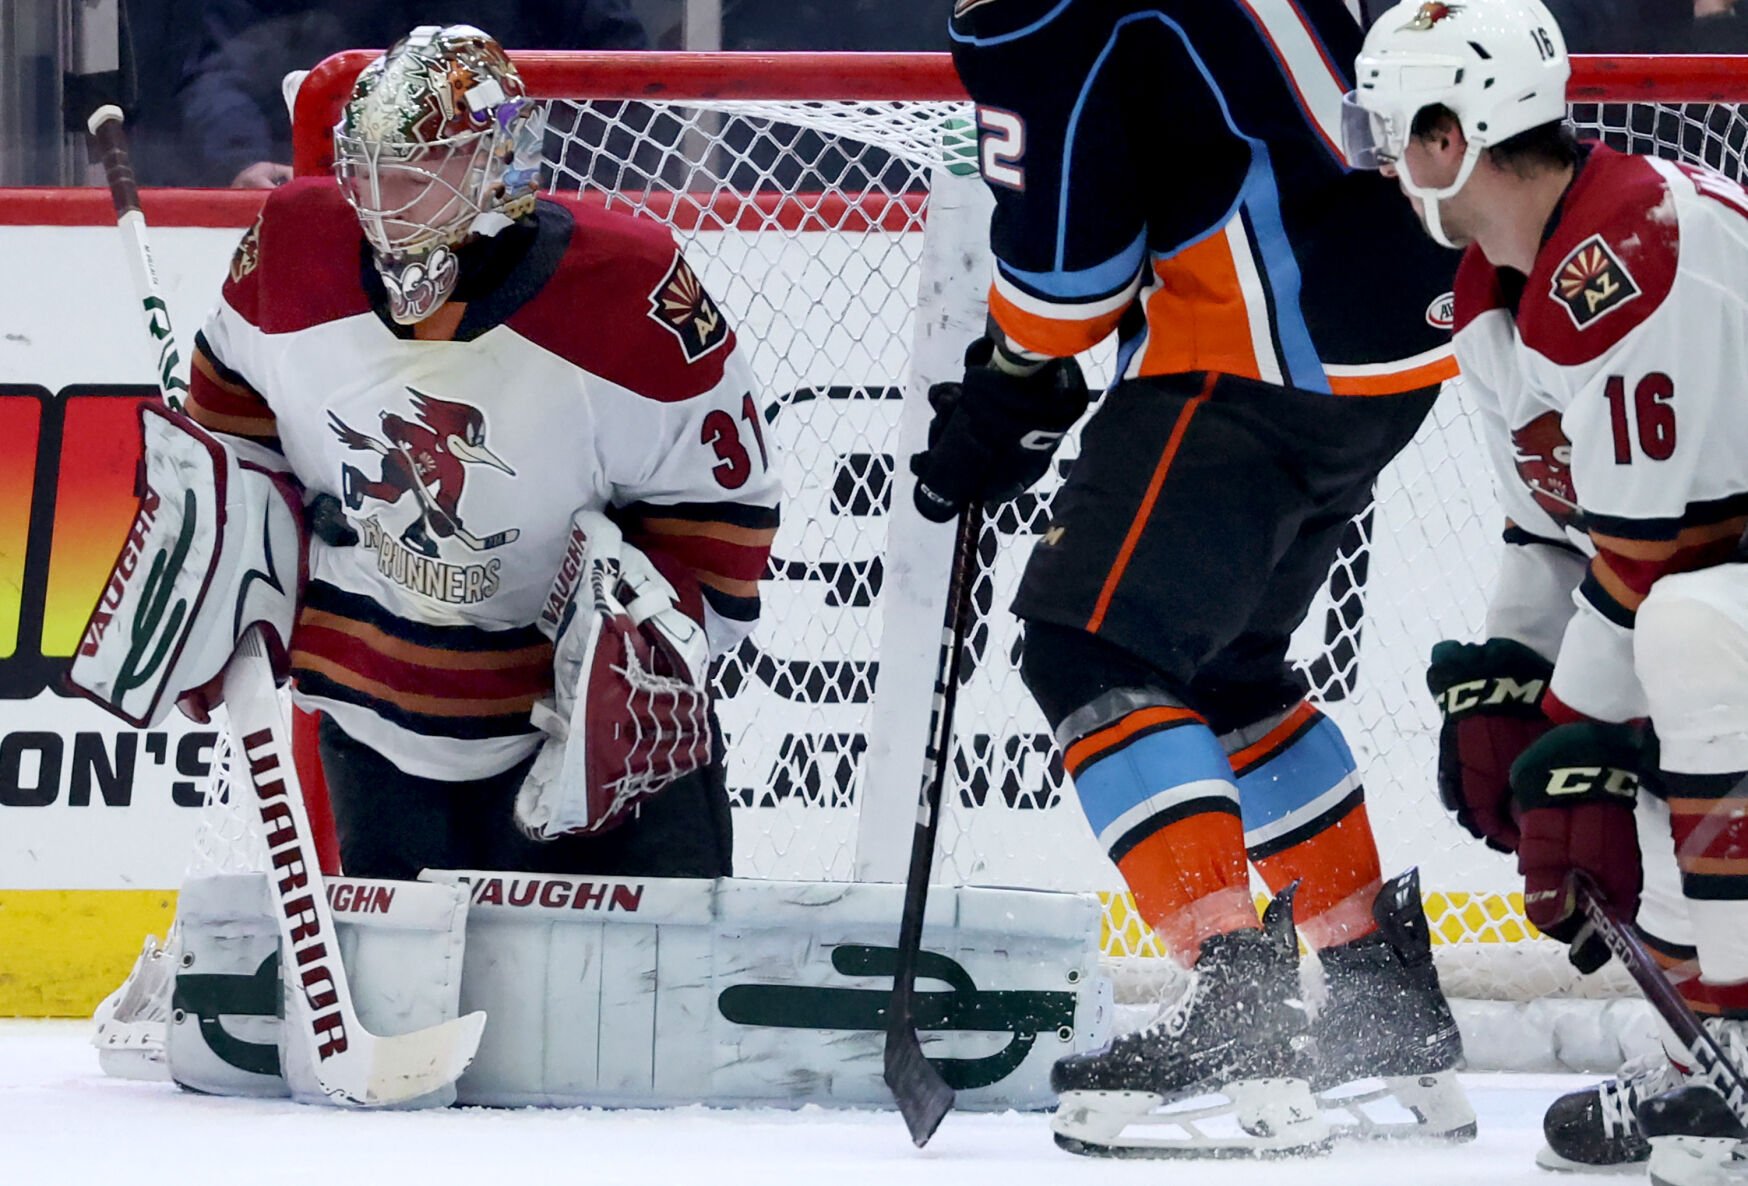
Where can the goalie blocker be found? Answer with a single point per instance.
(217, 547)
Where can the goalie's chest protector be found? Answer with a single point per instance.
(459, 463)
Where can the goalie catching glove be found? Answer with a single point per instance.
(1489, 695)
(630, 712)
(1575, 789)
(993, 433)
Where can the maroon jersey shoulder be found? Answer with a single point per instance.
(1477, 289)
(624, 304)
(1608, 264)
(298, 266)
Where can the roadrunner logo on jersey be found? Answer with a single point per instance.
(1543, 457)
(680, 305)
(248, 253)
(1591, 282)
(424, 459)
(1431, 14)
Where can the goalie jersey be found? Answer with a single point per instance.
(1612, 379)
(596, 372)
(1171, 170)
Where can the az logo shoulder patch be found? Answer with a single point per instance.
(680, 305)
(1592, 282)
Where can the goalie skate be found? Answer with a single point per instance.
(1385, 1033)
(1239, 1033)
(132, 1021)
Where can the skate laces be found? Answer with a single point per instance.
(1173, 1017)
(1638, 1079)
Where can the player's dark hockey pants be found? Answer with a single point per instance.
(392, 824)
(1196, 527)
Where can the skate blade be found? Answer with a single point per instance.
(1401, 1107)
(1698, 1161)
(1550, 1160)
(1258, 1118)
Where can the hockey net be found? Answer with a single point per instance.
(800, 189)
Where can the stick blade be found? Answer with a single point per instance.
(923, 1097)
(407, 1066)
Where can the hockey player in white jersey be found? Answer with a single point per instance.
(1601, 725)
(536, 465)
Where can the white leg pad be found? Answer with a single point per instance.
(401, 943)
(648, 991)
(1690, 649)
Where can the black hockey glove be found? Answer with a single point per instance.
(1490, 695)
(1575, 790)
(993, 433)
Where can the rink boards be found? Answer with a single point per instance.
(96, 819)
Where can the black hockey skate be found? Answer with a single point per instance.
(1385, 1018)
(419, 540)
(1597, 1128)
(1240, 1032)
(1695, 1139)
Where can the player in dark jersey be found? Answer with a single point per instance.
(1171, 172)
(480, 391)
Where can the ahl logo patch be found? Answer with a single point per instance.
(1430, 15)
(1591, 282)
(680, 305)
(248, 253)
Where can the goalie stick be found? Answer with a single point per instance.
(350, 1063)
(923, 1097)
(1711, 1063)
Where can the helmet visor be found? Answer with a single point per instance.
(1369, 139)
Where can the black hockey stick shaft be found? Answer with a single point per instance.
(1709, 1060)
(923, 1097)
(110, 141)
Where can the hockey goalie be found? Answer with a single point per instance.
(539, 498)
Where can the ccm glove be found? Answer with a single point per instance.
(1488, 694)
(1575, 790)
(994, 433)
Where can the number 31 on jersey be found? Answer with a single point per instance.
(722, 432)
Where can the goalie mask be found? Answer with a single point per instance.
(438, 142)
(1499, 65)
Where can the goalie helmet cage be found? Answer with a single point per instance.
(800, 187)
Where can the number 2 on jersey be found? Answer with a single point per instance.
(1651, 412)
(733, 463)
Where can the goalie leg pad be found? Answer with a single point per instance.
(643, 992)
(1690, 649)
(401, 943)
(217, 546)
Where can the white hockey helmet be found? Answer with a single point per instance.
(1499, 65)
(438, 141)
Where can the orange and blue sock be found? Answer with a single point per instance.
(1304, 813)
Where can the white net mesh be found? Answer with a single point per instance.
(803, 219)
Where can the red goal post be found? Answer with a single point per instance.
(800, 186)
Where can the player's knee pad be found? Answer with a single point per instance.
(1066, 668)
(1690, 650)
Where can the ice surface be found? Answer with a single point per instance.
(63, 1123)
